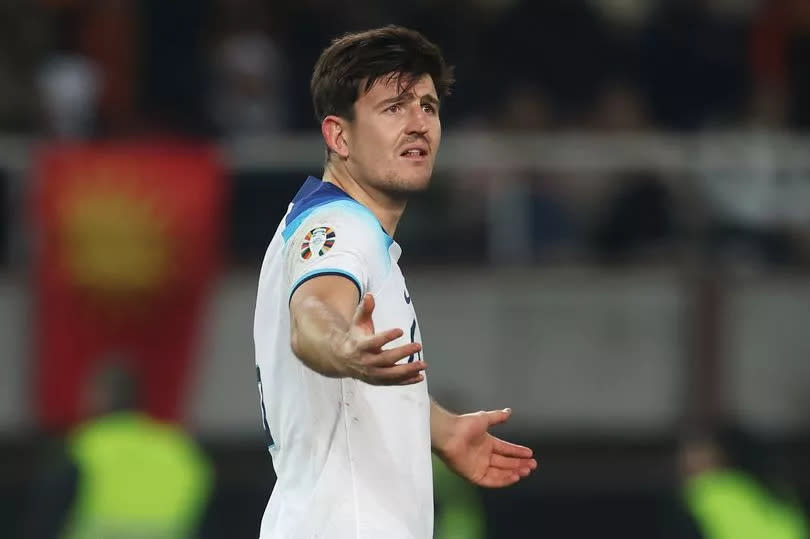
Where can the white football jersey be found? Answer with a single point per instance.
(353, 460)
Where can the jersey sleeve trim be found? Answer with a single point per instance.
(323, 272)
(295, 223)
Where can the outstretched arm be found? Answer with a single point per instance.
(464, 443)
(333, 335)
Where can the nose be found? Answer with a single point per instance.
(417, 121)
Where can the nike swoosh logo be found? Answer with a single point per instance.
(407, 297)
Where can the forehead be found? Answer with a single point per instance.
(388, 86)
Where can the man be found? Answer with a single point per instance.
(341, 374)
(121, 473)
(732, 489)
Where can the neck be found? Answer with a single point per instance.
(388, 210)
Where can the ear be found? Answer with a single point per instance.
(333, 129)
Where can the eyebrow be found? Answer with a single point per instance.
(430, 98)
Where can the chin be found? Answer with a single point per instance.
(419, 183)
(407, 184)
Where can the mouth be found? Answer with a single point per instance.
(415, 153)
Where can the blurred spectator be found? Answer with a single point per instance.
(799, 64)
(249, 73)
(23, 36)
(95, 64)
(770, 101)
(6, 214)
(758, 196)
(121, 474)
(627, 13)
(693, 65)
(69, 85)
(563, 45)
(527, 108)
(108, 30)
(760, 208)
(780, 54)
(528, 218)
(639, 222)
(732, 489)
(768, 108)
(173, 88)
(619, 107)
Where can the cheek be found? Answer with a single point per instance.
(379, 143)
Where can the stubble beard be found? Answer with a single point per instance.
(398, 188)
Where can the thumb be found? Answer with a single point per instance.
(496, 417)
(362, 315)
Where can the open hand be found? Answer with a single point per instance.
(474, 454)
(362, 356)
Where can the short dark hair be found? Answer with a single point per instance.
(361, 59)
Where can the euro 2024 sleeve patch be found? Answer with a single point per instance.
(318, 240)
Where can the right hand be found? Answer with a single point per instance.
(362, 356)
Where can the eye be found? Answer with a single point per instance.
(396, 107)
(430, 109)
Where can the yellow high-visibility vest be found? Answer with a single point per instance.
(138, 478)
(460, 510)
(727, 504)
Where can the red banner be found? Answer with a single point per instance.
(128, 242)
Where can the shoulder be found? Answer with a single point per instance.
(343, 224)
(328, 231)
(318, 200)
(344, 211)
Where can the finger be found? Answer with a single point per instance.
(496, 417)
(525, 472)
(362, 314)
(496, 477)
(386, 358)
(511, 463)
(511, 450)
(398, 380)
(378, 340)
(396, 374)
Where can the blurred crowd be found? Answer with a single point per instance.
(84, 67)
(218, 69)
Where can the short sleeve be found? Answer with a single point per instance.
(340, 238)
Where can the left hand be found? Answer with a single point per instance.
(474, 454)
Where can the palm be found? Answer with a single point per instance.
(476, 455)
(474, 461)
